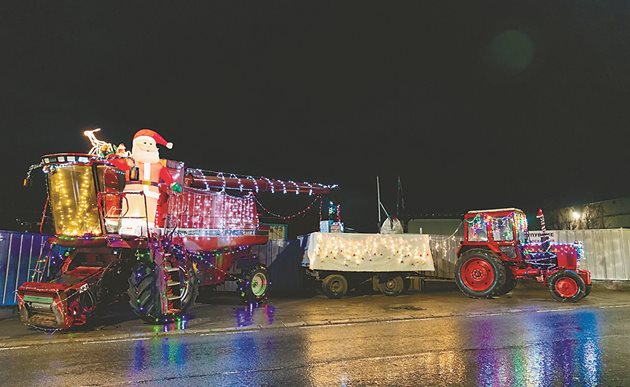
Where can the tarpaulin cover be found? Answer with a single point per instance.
(369, 252)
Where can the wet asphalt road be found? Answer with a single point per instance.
(421, 339)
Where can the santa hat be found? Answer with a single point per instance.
(154, 135)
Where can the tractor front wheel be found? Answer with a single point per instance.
(566, 286)
(254, 284)
(480, 274)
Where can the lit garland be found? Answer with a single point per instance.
(236, 183)
(253, 181)
(555, 247)
(289, 217)
(273, 189)
(198, 209)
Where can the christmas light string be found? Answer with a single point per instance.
(288, 217)
(273, 184)
(273, 188)
(33, 167)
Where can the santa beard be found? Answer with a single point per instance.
(143, 156)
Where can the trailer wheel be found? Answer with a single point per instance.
(335, 285)
(391, 285)
(254, 284)
(480, 274)
(144, 293)
(566, 286)
(510, 283)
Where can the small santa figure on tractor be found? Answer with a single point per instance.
(147, 179)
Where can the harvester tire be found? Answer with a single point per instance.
(566, 286)
(510, 283)
(254, 284)
(144, 294)
(391, 285)
(480, 274)
(335, 285)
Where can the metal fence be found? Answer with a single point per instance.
(607, 251)
(19, 252)
(444, 252)
(607, 258)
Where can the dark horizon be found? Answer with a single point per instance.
(482, 105)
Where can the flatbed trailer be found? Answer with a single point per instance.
(391, 262)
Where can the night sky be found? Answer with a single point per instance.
(474, 104)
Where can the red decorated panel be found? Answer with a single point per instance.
(197, 209)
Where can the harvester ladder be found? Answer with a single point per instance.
(173, 284)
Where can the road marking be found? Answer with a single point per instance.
(115, 341)
(231, 332)
(614, 306)
(10, 348)
(554, 310)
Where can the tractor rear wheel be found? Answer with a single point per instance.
(566, 286)
(254, 284)
(391, 285)
(480, 274)
(335, 285)
(510, 282)
(145, 295)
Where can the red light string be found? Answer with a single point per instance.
(288, 217)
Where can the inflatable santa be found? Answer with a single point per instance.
(146, 180)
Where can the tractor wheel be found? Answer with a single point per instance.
(144, 293)
(510, 283)
(254, 284)
(588, 290)
(480, 274)
(566, 286)
(391, 285)
(335, 285)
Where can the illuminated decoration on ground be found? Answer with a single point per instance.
(73, 200)
(369, 252)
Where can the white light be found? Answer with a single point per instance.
(576, 215)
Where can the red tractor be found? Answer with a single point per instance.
(90, 262)
(496, 252)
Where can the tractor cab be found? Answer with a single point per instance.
(502, 231)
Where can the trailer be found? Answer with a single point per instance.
(342, 261)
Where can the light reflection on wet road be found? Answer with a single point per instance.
(570, 347)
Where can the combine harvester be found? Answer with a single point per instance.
(153, 229)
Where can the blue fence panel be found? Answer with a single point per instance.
(19, 252)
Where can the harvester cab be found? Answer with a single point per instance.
(496, 252)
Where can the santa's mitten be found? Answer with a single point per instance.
(176, 188)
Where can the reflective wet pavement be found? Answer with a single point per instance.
(439, 338)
